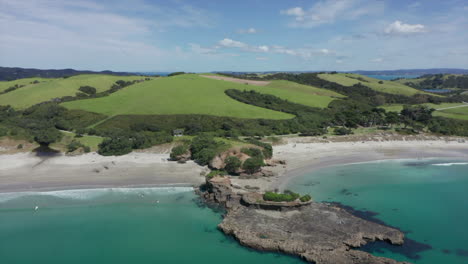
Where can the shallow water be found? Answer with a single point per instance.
(425, 198)
(117, 226)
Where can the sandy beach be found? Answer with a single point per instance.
(27, 172)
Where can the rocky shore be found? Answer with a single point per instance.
(317, 232)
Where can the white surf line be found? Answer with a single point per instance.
(458, 106)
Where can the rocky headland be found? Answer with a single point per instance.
(317, 232)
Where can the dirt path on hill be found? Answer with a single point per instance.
(229, 79)
(458, 106)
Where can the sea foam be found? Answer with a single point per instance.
(451, 164)
(89, 194)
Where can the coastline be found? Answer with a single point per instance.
(26, 172)
(303, 156)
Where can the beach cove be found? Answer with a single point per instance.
(302, 156)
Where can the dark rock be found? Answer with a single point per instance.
(317, 232)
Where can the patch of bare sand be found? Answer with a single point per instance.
(230, 79)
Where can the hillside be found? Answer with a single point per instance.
(438, 81)
(182, 94)
(48, 89)
(449, 110)
(193, 94)
(348, 79)
(21, 82)
(294, 92)
(14, 73)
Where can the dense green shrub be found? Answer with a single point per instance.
(280, 197)
(252, 165)
(341, 131)
(253, 152)
(305, 198)
(233, 164)
(115, 146)
(215, 173)
(267, 148)
(204, 156)
(177, 151)
(74, 145)
(88, 90)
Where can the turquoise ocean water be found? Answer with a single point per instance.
(117, 226)
(427, 199)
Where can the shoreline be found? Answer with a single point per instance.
(307, 157)
(24, 172)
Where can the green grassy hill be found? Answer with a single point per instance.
(348, 79)
(459, 110)
(298, 93)
(192, 94)
(182, 94)
(26, 82)
(52, 88)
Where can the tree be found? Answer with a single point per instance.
(47, 136)
(392, 118)
(88, 90)
(115, 146)
(205, 156)
(233, 164)
(252, 165)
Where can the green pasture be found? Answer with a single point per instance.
(57, 87)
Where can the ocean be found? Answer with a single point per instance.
(427, 199)
(424, 198)
(152, 225)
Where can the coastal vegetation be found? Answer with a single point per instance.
(287, 196)
(118, 114)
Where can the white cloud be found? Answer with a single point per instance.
(400, 28)
(50, 33)
(298, 12)
(261, 58)
(377, 60)
(329, 11)
(247, 31)
(229, 43)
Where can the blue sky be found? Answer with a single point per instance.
(242, 35)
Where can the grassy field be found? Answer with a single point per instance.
(298, 93)
(26, 82)
(57, 87)
(457, 113)
(294, 92)
(182, 94)
(391, 87)
(91, 141)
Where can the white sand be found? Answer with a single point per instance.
(26, 172)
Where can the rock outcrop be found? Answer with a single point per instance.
(318, 232)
